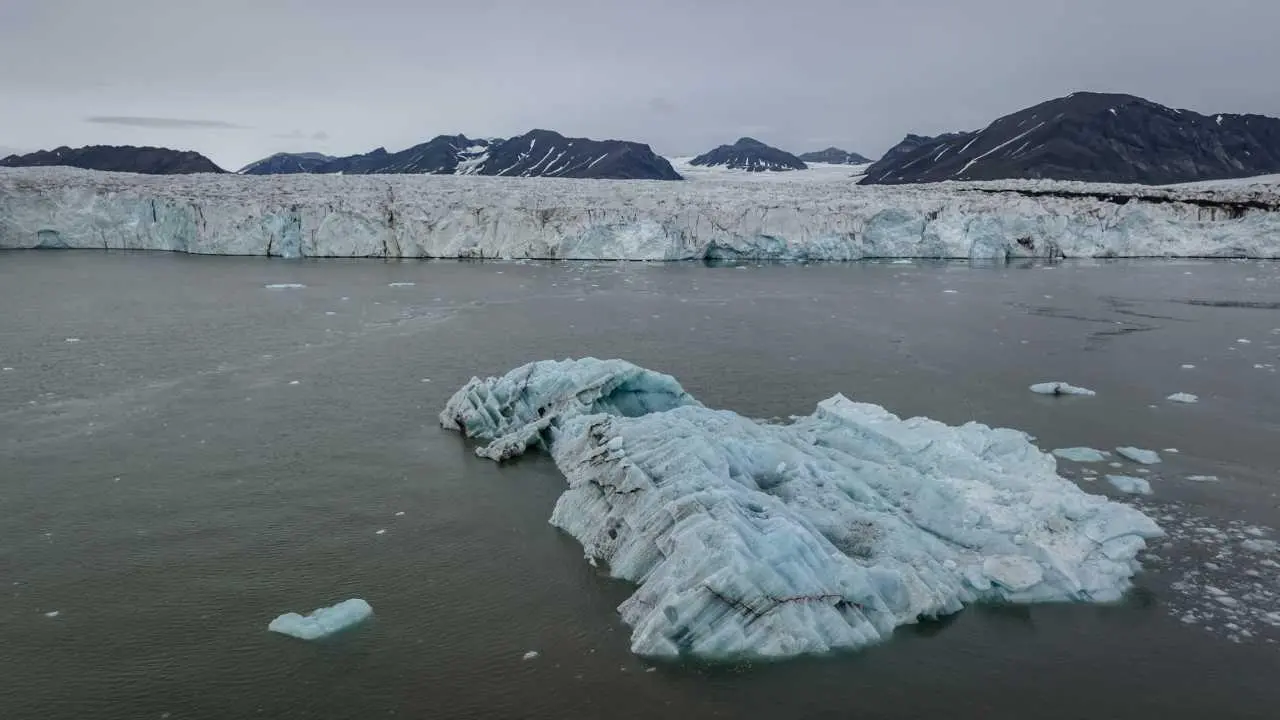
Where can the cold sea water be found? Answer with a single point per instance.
(186, 453)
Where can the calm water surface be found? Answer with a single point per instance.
(210, 453)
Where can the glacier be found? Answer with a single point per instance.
(324, 621)
(721, 218)
(753, 539)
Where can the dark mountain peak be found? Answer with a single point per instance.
(751, 155)
(1095, 137)
(119, 158)
(286, 164)
(537, 153)
(834, 156)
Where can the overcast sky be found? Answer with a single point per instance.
(240, 79)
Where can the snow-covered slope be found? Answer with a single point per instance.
(751, 539)
(495, 217)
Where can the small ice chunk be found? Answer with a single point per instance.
(1138, 455)
(1129, 484)
(381, 532)
(1171, 450)
(323, 622)
(284, 286)
(531, 655)
(52, 614)
(1203, 478)
(1183, 398)
(1081, 454)
(1244, 341)
(400, 514)
(73, 340)
(949, 292)
(401, 284)
(6, 369)
(1059, 388)
(1260, 546)
(294, 382)
(330, 312)
(1188, 367)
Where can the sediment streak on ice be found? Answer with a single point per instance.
(749, 539)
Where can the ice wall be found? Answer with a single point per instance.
(466, 217)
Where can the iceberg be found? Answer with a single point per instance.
(1081, 454)
(1060, 388)
(323, 622)
(752, 539)
(1138, 455)
(1129, 484)
(419, 216)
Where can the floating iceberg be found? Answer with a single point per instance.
(1081, 454)
(1060, 388)
(1183, 398)
(1138, 455)
(752, 539)
(324, 621)
(1129, 484)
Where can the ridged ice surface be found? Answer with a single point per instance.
(795, 218)
(750, 539)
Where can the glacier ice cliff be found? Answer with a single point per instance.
(753, 539)
(546, 218)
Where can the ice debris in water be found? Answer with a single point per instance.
(531, 655)
(401, 284)
(1203, 478)
(284, 286)
(1188, 367)
(1183, 398)
(1081, 454)
(1228, 579)
(1138, 455)
(323, 622)
(1060, 388)
(760, 539)
(1129, 484)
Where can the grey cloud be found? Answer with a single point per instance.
(662, 105)
(161, 122)
(319, 135)
(681, 76)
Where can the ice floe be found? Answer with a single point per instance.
(760, 539)
(1081, 454)
(1060, 388)
(324, 621)
(1138, 455)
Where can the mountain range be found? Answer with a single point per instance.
(834, 156)
(751, 155)
(122, 158)
(1087, 136)
(538, 153)
(1093, 137)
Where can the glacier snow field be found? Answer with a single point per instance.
(231, 439)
